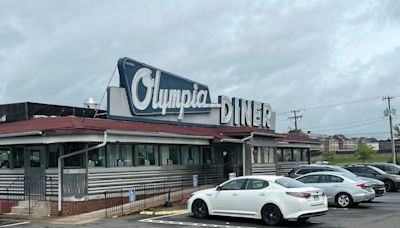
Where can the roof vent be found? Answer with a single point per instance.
(91, 103)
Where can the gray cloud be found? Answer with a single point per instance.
(290, 54)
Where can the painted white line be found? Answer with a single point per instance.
(179, 223)
(15, 224)
(163, 216)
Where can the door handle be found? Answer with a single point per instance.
(261, 194)
(234, 194)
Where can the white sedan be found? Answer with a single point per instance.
(270, 198)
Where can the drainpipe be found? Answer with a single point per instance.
(60, 159)
(244, 151)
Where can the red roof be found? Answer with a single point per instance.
(79, 125)
(295, 138)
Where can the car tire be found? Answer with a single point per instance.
(389, 185)
(343, 200)
(271, 215)
(199, 209)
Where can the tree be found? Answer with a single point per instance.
(364, 152)
(396, 130)
(298, 131)
(328, 156)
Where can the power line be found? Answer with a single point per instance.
(345, 123)
(332, 105)
(352, 126)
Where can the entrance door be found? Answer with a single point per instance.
(228, 168)
(35, 179)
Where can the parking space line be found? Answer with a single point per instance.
(192, 224)
(180, 223)
(14, 224)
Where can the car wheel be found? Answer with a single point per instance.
(389, 185)
(199, 209)
(271, 215)
(343, 200)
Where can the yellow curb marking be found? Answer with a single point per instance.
(163, 212)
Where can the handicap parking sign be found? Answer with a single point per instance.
(195, 181)
(132, 195)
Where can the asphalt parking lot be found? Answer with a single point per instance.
(382, 212)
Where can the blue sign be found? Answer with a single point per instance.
(132, 194)
(151, 91)
(195, 180)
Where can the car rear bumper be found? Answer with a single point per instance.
(363, 197)
(314, 214)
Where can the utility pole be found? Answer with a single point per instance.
(389, 112)
(295, 117)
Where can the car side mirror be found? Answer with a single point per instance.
(218, 188)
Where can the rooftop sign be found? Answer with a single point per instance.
(152, 91)
(150, 94)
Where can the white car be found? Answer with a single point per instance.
(270, 198)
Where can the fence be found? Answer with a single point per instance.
(154, 194)
(27, 189)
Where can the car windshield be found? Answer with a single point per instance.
(290, 183)
(377, 170)
(345, 171)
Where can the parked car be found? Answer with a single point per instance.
(340, 189)
(378, 186)
(392, 182)
(270, 198)
(388, 167)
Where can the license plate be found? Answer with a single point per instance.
(316, 198)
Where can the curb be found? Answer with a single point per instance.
(172, 212)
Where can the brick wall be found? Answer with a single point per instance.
(79, 207)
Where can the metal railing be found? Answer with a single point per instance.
(15, 192)
(154, 194)
(31, 190)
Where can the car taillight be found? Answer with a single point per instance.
(305, 195)
(362, 186)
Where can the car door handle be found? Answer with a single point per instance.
(234, 194)
(261, 194)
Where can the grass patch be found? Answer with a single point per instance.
(351, 160)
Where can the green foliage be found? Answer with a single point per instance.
(329, 156)
(294, 131)
(364, 152)
(396, 130)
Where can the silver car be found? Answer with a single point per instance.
(341, 189)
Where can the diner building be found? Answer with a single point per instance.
(157, 127)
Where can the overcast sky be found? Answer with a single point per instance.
(294, 55)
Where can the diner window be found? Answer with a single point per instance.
(97, 157)
(190, 155)
(147, 155)
(296, 154)
(279, 154)
(5, 157)
(119, 154)
(170, 155)
(305, 154)
(287, 155)
(76, 161)
(208, 156)
(268, 154)
(54, 151)
(18, 157)
(256, 155)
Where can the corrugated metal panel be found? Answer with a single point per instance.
(263, 169)
(107, 179)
